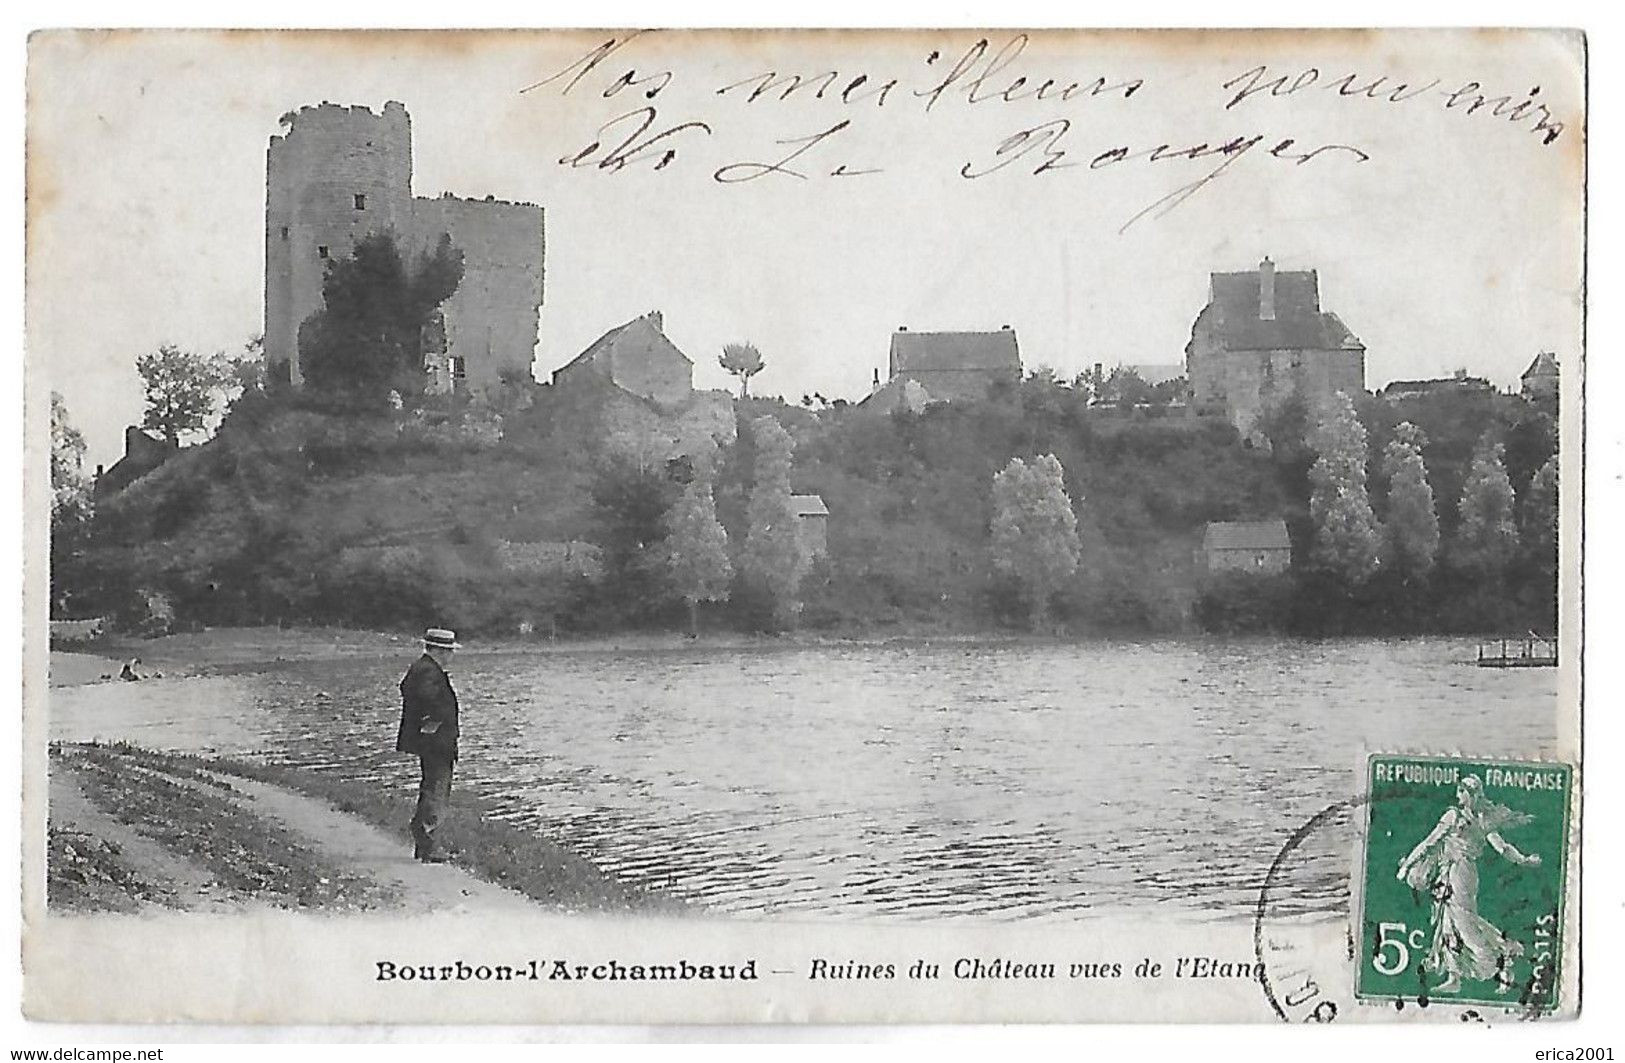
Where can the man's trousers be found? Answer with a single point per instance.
(434, 795)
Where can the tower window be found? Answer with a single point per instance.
(360, 201)
(284, 232)
(321, 249)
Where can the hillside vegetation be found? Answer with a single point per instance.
(517, 516)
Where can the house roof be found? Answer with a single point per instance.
(927, 351)
(1246, 535)
(1445, 383)
(808, 506)
(1545, 364)
(1299, 323)
(641, 335)
(887, 396)
(143, 452)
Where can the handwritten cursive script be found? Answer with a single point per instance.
(983, 75)
(1469, 98)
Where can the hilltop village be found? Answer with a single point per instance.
(1256, 484)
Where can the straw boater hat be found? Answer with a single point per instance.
(439, 638)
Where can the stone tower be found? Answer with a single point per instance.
(340, 173)
(337, 174)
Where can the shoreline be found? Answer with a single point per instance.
(227, 649)
(200, 652)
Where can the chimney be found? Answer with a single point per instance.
(876, 386)
(656, 320)
(1266, 290)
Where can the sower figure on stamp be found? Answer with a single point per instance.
(429, 729)
(1445, 866)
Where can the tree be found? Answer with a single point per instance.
(1167, 392)
(369, 337)
(1092, 382)
(184, 390)
(744, 361)
(70, 487)
(1347, 540)
(1284, 424)
(773, 560)
(1127, 388)
(70, 507)
(1540, 514)
(246, 370)
(1487, 535)
(698, 545)
(1035, 531)
(1540, 532)
(630, 501)
(1411, 533)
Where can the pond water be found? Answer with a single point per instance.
(893, 781)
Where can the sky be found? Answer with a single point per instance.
(1444, 239)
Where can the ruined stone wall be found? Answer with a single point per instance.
(958, 385)
(340, 173)
(492, 319)
(1263, 562)
(1345, 371)
(1254, 381)
(668, 381)
(314, 174)
(1205, 368)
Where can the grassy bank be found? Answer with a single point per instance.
(497, 852)
(244, 852)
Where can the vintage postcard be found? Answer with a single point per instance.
(804, 526)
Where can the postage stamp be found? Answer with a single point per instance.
(1464, 864)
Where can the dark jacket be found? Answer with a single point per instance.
(426, 695)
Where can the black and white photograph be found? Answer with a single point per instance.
(802, 525)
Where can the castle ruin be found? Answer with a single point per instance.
(1263, 337)
(341, 173)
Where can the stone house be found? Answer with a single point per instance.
(143, 453)
(637, 358)
(338, 174)
(812, 524)
(1540, 380)
(631, 391)
(1263, 337)
(946, 366)
(1261, 547)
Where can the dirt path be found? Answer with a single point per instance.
(115, 867)
(384, 859)
(128, 834)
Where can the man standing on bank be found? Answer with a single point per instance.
(429, 729)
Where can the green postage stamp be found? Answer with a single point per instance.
(1463, 882)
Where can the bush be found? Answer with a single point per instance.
(1231, 603)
